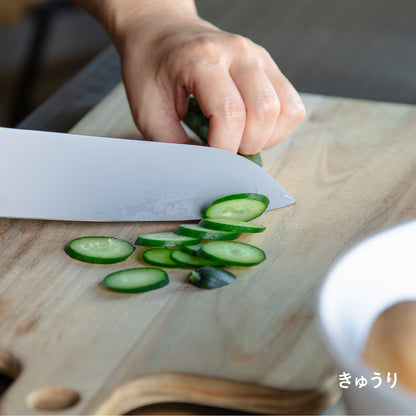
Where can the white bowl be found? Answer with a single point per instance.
(373, 275)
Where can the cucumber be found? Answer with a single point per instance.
(159, 257)
(165, 239)
(136, 280)
(208, 277)
(99, 250)
(191, 249)
(231, 225)
(194, 230)
(255, 159)
(196, 120)
(240, 207)
(199, 124)
(232, 253)
(189, 260)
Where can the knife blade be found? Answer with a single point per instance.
(60, 176)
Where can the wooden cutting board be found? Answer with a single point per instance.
(74, 347)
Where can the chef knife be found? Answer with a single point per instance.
(59, 176)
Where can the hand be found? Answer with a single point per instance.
(165, 57)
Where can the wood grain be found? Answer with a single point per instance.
(351, 166)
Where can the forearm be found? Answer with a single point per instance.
(115, 15)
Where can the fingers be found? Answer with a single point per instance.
(273, 107)
(292, 109)
(221, 102)
(158, 115)
(262, 106)
(251, 104)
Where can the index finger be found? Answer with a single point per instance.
(223, 105)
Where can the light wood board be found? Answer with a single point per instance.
(253, 345)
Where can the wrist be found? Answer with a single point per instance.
(121, 16)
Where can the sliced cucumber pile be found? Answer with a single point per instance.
(224, 220)
(241, 207)
(206, 246)
(99, 250)
(136, 280)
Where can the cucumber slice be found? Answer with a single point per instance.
(194, 230)
(192, 249)
(241, 207)
(232, 253)
(208, 277)
(165, 239)
(189, 260)
(232, 225)
(99, 250)
(136, 280)
(159, 257)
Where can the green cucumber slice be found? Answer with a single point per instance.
(241, 207)
(164, 239)
(231, 225)
(189, 260)
(159, 257)
(99, 250)
(136, 280)
(194, 230)
(232, 253)
(208, 277)
(192, 249)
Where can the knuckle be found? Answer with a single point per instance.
(240, 43)
(202, 46)
(268, 106)
(234, 112)
(297, 111)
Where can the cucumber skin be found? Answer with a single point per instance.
(196, 120)
(210, 223)
(209, 235)
(199, 124)
(143, 241)
(95, 260)
(191, 249)
(243, 195)
(207, 277)
(157, 285)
